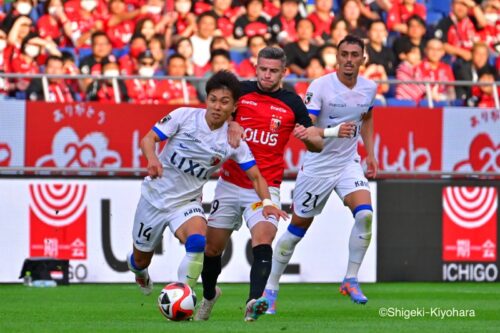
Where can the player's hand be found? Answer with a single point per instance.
(274, 211)
(347, 130)
(300, 132)
(234, 134)
(372, 166)
(155, 169)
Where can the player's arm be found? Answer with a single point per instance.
(148, 147)
(367, 135)
(260, 186)
(305, 131)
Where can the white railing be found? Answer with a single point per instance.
(430, 101)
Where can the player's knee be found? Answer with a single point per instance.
(211, 250)
(195, 243)
(363, 215)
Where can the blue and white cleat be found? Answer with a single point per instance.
(256, 308)
(350, 286)
(272, 296)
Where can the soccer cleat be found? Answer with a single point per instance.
(145, 283)
(206, 306)
(350, 286)
(256, 308)
(272, 296)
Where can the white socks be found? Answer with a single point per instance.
(190, 268)
(359, 240)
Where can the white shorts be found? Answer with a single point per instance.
(231, 202)
(150, 222)
(311, 193)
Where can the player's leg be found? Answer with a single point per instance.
(358, 199)
(310, 197)
(146, 233)
(192, 234)
(215, 244)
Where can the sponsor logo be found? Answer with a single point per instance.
(308, 98)
(484, 156)
(362, 105)
(189, 166)
(5, 154)
(192, 137)
(277, 108)
(58, 221)
(68, 150)
(470, 224)
(361, 183)
(337, 105)
(165, 119)
(182, 146)
(247, 102)
(193, 211)
(256, 205)
(245, 118)
(262, 137)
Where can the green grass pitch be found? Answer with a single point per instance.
(308, 308)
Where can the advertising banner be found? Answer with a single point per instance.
(12, 133)
(90, 223)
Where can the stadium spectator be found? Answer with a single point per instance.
(25, 63)
(314, 70)
(338, 30)
(19, 8)
(377, 52)
(178, 91)
(374, 71)
(401, 11)
(145, 91)
(272, 8)
(322, 18)
(70, 68)
(299, 53)
(110, 89)
(55, 25)
(158, 48)
(19, 31)
(246, 68)
(415, 36)
(483, 96)
(490, 34)
(250, 24)
(470, 70)
(370, 11)
(184, 47)
(226, 16)
(206, 24)
(52, 90)
(91, 64)
(284, 25)
(185, 23)
(433, 69)
(121, 23)
(87, 17)
(128, 62)
(356, 23)
(406, 72)
(458, 31)
(220, 60)
(145, 27)
(328, 54)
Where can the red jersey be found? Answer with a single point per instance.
(400, 14)
(268, 120)
(49, 27)
(120, 34)
(301, 89)
(246, 68)
(21, 66)
(460, 34)
(321, 28)
(173, 89)
(144, 92)
(443, 72)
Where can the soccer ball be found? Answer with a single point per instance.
(177, 301)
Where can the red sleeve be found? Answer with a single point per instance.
(394, 16)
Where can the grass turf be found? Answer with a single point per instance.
(309, 308)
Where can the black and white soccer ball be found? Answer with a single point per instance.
(177, 301)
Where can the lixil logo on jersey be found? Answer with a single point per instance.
(58, 220)
(470, 224)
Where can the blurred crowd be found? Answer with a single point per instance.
(436, 40)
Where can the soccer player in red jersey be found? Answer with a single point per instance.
(268, 115)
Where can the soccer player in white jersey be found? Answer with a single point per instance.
(340, 103)
(171, 193)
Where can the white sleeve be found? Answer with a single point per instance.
(169, 125)
(243, 156)
(313, 98)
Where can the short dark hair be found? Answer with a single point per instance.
(53, 57)
(220, 52)
(98, 34)
(251, 38)
(351, 39)
(206, 14)
(272, 52)
(417, 18)
(174, 56)
(224, 80)
(372, 23)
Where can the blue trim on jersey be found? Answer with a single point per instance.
(297, 231)
(360, 208)
(247, 165)
(195, 243)
(162, 136)
(313, 112)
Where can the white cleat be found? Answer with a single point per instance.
(145, 283)
(206, 306)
